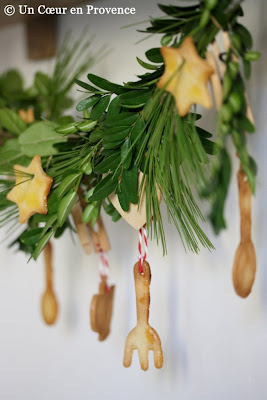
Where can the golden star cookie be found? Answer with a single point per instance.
(31, 189)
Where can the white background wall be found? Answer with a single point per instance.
(214, 342)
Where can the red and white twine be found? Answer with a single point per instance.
(103, 266)
(142, 257)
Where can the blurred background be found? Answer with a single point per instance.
(214, 342)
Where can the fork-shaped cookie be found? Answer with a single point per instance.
(143, 337)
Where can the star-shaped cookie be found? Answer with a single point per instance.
(186, 76)
(31, 190)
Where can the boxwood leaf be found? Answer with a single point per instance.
(104, 188)
(108, 164)
(154, 55)
(95, 136)
(42, 243)
(244, 34)
(126, 153)
(10, 120)
(86, 86)
(65, 206)
(100, 107)
(202, 133)
(86, 126)
(146, 65)
(88, 213)
(88, 102)
(114, 107)
(67, 129)
(51, 220)
(31, 237)
(209, 146)
(67, 183)
(116, 134)
(123, 119)
(129, 184)
(112, 145)
(124, 201)
(245, 125)
(135, 97)
(105, 84)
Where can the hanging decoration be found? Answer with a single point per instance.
(31, 189)
(143, 337)
(49, 304)
(244, 269)
(138, 144)
(102, 303)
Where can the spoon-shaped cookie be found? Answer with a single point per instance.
(244, 268)
(49, 304)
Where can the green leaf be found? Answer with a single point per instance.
(37, 218)
(95, 136)
(59, 231)
(114, 107)
(129, 184)
(88, 213)
(146, 65)
(88, 102)
(10, 120)
(203, 133)
(166, 40)
(138, 133)
(123, 200)
(209, 146)
(112, 145)
(105, 84)
(116, 216)
(126, 153)
(67, 129)
(245, 125)
(67, 184)
(50, 221)
(86, 86)
(244, 34)
(31, 237)
(109, 163)
(123, 119)
(11, 82)
(174, 10)
(65, 206)
(100, 107)
(104, 188)
(40, 138)
(108, 207)
(154, 55)
(52, 202)
(247, 68)
(116, 134)
(135, 98)
(86, 126)
(42, 243)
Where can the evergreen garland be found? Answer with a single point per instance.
(134, 128)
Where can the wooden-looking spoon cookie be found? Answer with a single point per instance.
(244, 268)
(143, 337)
(49, 303)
